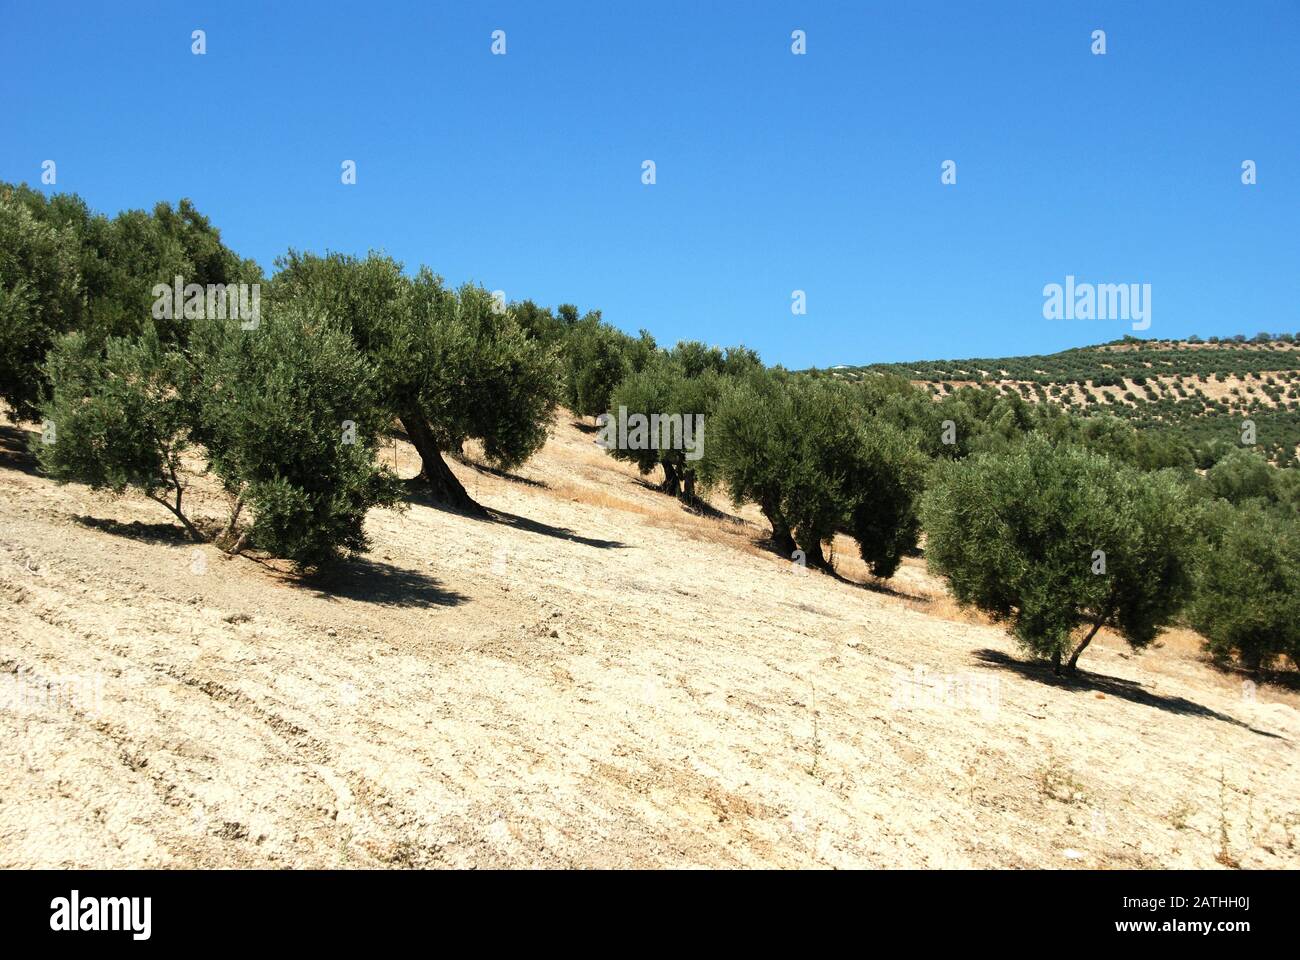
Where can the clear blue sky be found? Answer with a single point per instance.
(775, 172)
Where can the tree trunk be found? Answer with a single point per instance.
(781, 537)
(812, 553)
(176, 508)
(185, 521)
(671, 483)
(1056, 662)
(223, 541)
(688, 486)
(442, 484)
(1072, 666)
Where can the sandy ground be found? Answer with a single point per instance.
(596, 678)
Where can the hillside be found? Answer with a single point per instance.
(1202, 390)
(594, 677)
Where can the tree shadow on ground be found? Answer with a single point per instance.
(162, 532)
(417, 493)
(14, 454)
(585, 427)
(702, 508)
(503, 474)
(546, 530)
(698, 507)
(380, 583)
(1286, 679)
(1117, 687)
(877, 586)
(656, 486)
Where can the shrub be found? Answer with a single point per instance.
(1241, 475)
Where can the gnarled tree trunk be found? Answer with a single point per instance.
(688, 487)
(782, 539)
(672, 483)
(441, 483)
(1072, 666)
(812, 553)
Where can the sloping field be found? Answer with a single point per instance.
(596, 678)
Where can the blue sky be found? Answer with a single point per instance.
(775, 172)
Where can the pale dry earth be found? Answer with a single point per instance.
(596, 678)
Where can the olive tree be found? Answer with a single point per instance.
(886, 479)
(291, 417)
(660, 415)
(595, 364)
(1057, 540)
(817, 461)
(451, 365)
(41, 297)
(115, 419)
(851, 471)
(64, 269)
(753, 434)
(1247, 599)
(285, 413)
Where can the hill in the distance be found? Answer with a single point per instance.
(1202, 389)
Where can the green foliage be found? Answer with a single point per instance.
(64, 269)
(269, 405)
(293, 420)
(851, 471)
(753, 436)
(1242, 475)
(664, 390)
(886, 478)
(539, 323)
(485, 377)
(451, 358)
(1247, 599)
(116, 418)
(595, 365)
(814, 456)
(829, 421)
(40, 297)
(1016, 535)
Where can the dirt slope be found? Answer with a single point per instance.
(596, 679)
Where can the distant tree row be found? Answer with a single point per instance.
(1057, 523)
